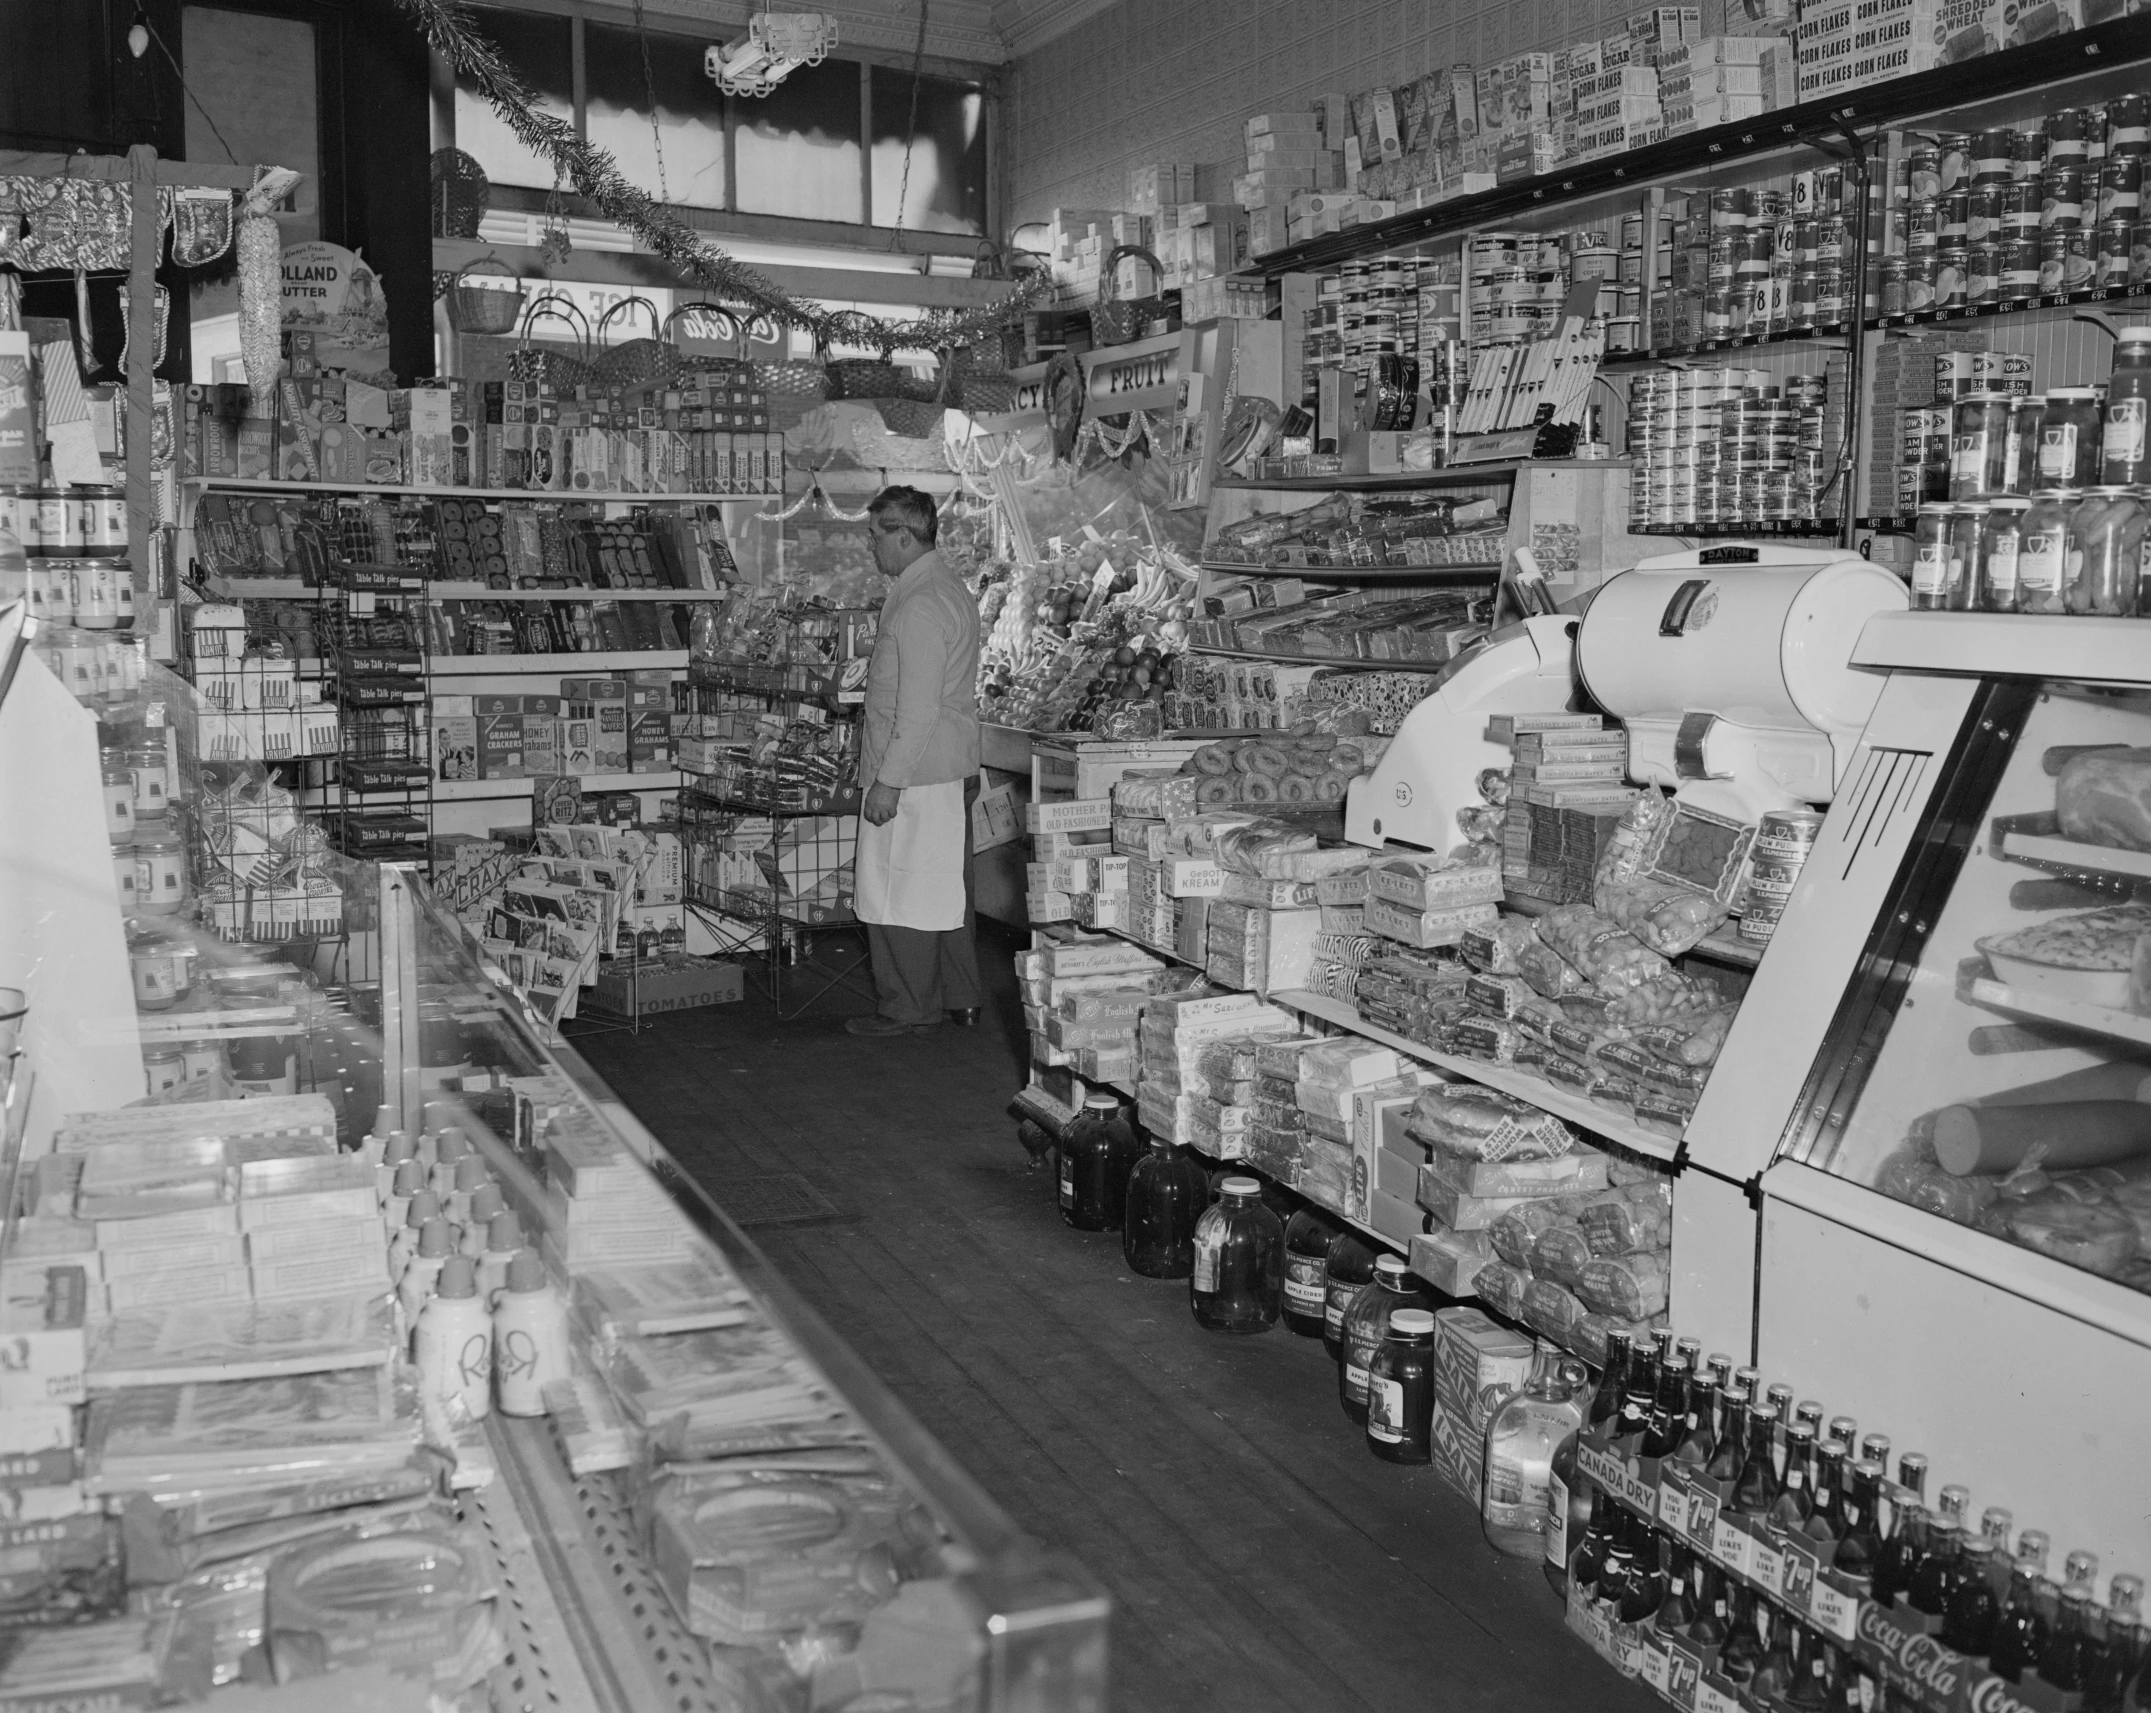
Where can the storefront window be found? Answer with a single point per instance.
(619, 81)
(543, 54)
(799, 146)
(946, 191)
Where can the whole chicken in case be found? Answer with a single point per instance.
(2103, 797)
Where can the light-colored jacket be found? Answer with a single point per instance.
(921, 723)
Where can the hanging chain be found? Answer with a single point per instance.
(649, 90)
(911, 132)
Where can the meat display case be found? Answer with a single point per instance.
(1919, 1180)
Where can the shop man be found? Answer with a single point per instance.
(918, 764)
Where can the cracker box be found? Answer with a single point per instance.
(1475, 1363)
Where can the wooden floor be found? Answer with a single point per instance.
(1258, 1557)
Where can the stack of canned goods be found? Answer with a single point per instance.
(74, 543)
(1783, 839)
(1372, 322)
(1756, 262)
(1725, 446)
(2004, 216)
(2047, 500)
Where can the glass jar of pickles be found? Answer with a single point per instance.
(1967, 532)
(2105, 551)
(1930, 556)
(2069, 439)
(1979, 446)
(2000, 543)
(2042, 560)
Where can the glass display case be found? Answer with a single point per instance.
(364, 1330)
(1991, 1062)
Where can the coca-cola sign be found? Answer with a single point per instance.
(1920, 1660)
(1997, 1695)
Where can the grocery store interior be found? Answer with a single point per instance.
(1041, 856)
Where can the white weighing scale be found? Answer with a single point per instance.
(1431, 768)
(1731, 668)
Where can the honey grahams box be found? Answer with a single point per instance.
(1476, 1364)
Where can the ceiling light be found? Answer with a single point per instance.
(776, 45)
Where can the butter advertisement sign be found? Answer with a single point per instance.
(330, 291)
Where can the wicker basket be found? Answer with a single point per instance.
(636, 362)
(911, 419)
(800, 380)
(990, 394)
(553, 368)
(487, 302)
(855, 378)
(1117, 320)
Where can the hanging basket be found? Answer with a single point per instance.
(793, 380)
(486, 302)
(1117, 320)
(912, 419)
(553, 368)
(635, 362)
(461, 194)
(856, 378)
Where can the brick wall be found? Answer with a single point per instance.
(1151, 80)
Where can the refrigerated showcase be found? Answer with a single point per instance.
(1919, 1180)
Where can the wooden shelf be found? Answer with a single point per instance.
(1349, 662)
(292, 589)
(266, 485)
(1485, 573)
(504, 665)
(1449, 476)
(1584, 1114)
(503, 790)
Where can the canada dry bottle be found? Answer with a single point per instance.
(1167, 1193)
(1308, 1237)
(1366, 1324)
(1346, 1271)
(1521, 1440)
(1238, 1284)
(1570, 1496)
(1098, 1151)
(1613, 1380)
(1400, 1390)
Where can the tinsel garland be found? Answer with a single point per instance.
(448, 29)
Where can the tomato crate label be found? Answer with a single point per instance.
(1615, 1475)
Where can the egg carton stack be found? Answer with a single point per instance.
(1172, 1095)
(1082, 999)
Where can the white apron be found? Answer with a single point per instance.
(910, 869)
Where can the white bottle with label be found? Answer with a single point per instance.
(530, 1336)
(403, 1242)
(436, 1245)
(453, 1345)
(504, 1239)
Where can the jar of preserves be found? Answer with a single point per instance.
(2069, 439)
(145, 762)
(1967, 531)
(1167, 1192)
(119, 797)
(1979, 446)
(162, 966)
(160, 864)
(127, 878)
(1400, 1390)
(2123, 451)
(2042, 559)
(2026, 415)
(164, 1068)
(2000, 542)
(1930, 555)
(1238, 1284)
(2105, 549)
(1366, 1323)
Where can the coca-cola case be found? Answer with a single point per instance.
(1907, 1655)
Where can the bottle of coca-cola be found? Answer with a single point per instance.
(1907, 1542)
(1861, 1543)
(2061, 1661)
(1936, 1578)
(1968, 1625)
(2020, 1630)
(1851, 1689)
(2106, 1685)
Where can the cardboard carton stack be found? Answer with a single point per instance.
(1567, 793)
(1199, 241)
(1715, 80)
(1848, 44)
(1352, 1094)
(1424, 902)
(1288, 155)
(1081, 1000)
(1172, 1095)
